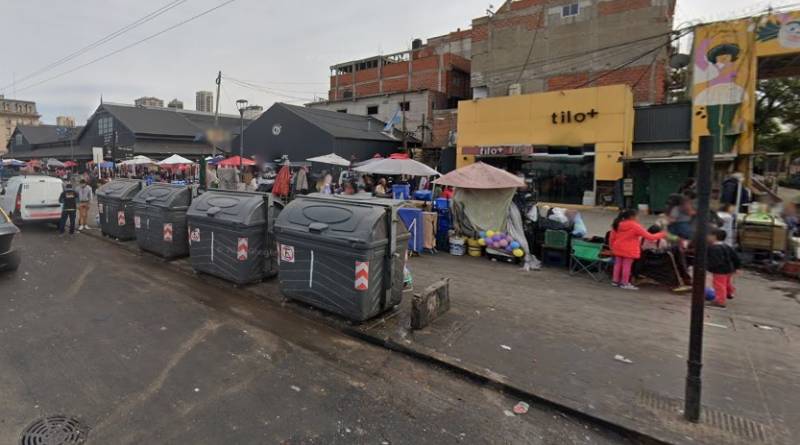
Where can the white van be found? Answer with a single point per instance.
(32, 198)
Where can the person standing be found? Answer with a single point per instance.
(625, 241)
(84, 201)
(723, 262)
(69, 206)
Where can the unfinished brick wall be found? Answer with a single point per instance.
(618, 6)
(647, 82)
(444, 121)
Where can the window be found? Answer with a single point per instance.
(343, 110)
(405, 106)
(372, 109)
(105, 125)
(18, 139)
(570, 10)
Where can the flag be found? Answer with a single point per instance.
(396, 119)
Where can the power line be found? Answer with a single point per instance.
(142, 20)
(533, 41)
(267, 90)
(126, 47)
(632, 60)
(254, 84)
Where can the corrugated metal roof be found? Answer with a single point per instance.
(342, 125)
(45, 134)
(169, 121)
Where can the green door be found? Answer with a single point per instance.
(666, 179)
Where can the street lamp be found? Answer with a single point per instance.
(241, 104)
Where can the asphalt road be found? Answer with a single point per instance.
(145, 355)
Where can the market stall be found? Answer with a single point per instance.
(483, 212)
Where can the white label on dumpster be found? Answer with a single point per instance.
(287, 253)
(362, 275)
(168, 232)
(137, 222)
(121, 218)
(99, 207)
(241, 249)
(194, 236)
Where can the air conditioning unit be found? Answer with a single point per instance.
(515, 89)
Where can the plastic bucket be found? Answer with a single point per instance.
(457, 246)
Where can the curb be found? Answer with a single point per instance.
(420, 353)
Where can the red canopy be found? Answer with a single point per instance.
(234, 162)
(399, 156)
(70, 164)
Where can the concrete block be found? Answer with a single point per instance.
(432, 303)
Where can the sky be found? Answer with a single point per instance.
(284, 49)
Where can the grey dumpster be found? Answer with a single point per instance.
(159, 218)
(115, 209)
(343, 255)
(230, 235)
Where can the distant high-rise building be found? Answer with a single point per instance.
(204, 101)
(253, 111)
(12, 113)
(149, 102)
(175, 103)
(65, 121)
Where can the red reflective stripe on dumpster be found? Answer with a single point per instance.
(362, 275)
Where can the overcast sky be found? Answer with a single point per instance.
(286, 47)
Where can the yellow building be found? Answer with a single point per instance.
(568, 143)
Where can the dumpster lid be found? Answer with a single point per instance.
(120, 188)
(347, 218)
(236, 207)
(164, 195)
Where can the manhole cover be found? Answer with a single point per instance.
(54, 430)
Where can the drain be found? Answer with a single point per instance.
(54, 430)
(738, 427)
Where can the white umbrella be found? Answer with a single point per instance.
(331, 159)
(54, 163)
(175, 160)
(138, 160)
(391, 166)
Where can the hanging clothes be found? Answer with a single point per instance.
(282, 182)
(301, 181)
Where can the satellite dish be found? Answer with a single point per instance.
(678, 61)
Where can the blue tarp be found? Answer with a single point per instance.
(412, 218)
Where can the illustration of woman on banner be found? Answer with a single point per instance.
(715, 75)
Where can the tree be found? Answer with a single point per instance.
(777, 122)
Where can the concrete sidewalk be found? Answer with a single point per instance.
(555, 337)
(560, 338)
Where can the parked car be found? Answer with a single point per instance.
(9, 258)
(32, 198)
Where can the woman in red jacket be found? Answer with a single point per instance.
(626, 245)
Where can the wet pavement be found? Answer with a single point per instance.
(142, 353)
(619, 355)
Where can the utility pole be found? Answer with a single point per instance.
(216, 114)
(403, 110)
(705, 169)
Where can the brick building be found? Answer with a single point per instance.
(442, 64)
(12, 113)
(530, 46)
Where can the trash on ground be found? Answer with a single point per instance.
(507, 348)
(508, 413)
(622, 359)
(715, 325)
(295, 388)
(521, 408)
(764, 327)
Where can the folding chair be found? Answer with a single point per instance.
(586, 257)
(555, 249)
